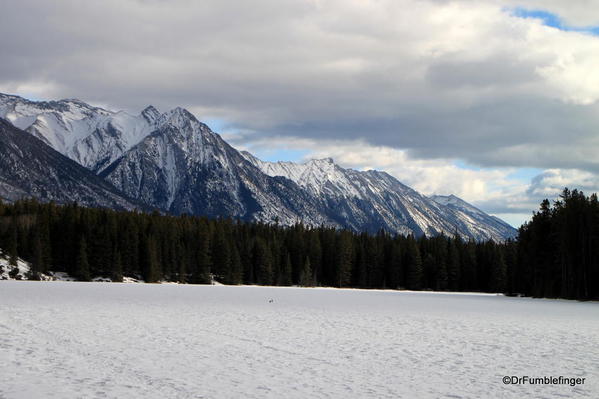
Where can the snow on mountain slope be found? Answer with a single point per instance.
(184, 167)
(372, 199)
(476, 218)
(30, 168)
(173, 162)
(92, 136)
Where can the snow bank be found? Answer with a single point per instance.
(21, 272)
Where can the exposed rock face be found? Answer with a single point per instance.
(173, 162)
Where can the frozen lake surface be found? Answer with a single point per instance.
(102, 340)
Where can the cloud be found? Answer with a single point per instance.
(421, 82)
(446, 79)
(508, 193)
(576, 13)
(440, 176)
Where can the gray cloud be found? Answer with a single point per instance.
(440, 79)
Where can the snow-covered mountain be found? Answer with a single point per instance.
(372, 200)
(30, 168)
(173, 162)
(477, 220)
(184, 167)
(92, 136)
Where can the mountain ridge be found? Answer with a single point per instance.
(176, 163)
(420, 214)
(30, 168)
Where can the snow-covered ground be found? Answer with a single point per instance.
(21, 272)
(90, 340)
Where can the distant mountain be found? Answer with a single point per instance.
(371, 200)
(91, 136)
(477, 221)
(30, 168)
(174, 162)
(184, 167)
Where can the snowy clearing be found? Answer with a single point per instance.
(70, 339)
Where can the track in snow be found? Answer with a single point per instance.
(95, 340)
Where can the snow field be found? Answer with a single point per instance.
(69, 339)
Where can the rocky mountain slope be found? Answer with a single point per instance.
(30, 168)
(174, 162)
(367, 200)
(91, 136)
(184, 167)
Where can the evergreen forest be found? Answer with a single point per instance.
(556, 254)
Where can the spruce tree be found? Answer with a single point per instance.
(344, 259)
(221, 255)
(117, 268)
(263, 262)
(414, 265)
(498, 271)
(13, 242)
(285, 275)
(453, 265)
(315, 254)
(37, 264)
(306, 274)
(236, 271)
(82, 265)
(202, 274)
(150, 266)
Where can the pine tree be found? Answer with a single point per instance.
(12, 243)
(285, 275)
(117, 268)
(236, 275)
(315, 254)
(82, 265)
(202, 274)
(394, 271)
(221, 255)
(429, 269)
(306, 274)
(498, 271)
(344, 259)
(37, 265)
(150, 266)
(414, 265)
(453, 265)
(468, 277)
(263, 262)
(179, 253)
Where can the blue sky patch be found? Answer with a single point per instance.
(281, 155)
(464, 165)
(525, 173)
(553, 20)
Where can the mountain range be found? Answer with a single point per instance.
(172, 162)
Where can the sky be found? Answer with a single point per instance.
(495, 101)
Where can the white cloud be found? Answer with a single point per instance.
(419, 83)
(499, 191)
(439, 176)
(577, 13)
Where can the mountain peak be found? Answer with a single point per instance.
(174, 162)
(4, 95)
(322, 161)
(75, 101)
(181, 111)
(150, 113)
(178, 117)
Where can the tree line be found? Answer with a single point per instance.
(92, 242)
(559, 249)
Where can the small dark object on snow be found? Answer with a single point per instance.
(271, 300)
